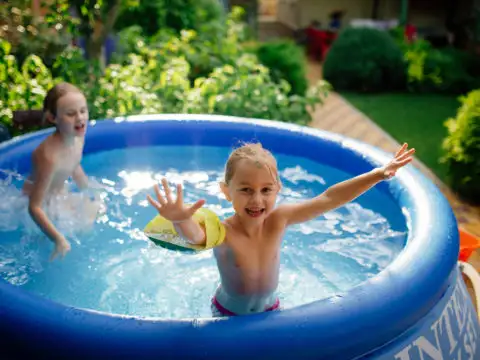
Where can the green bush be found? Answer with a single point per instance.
(204, 71)
(21, 88)
(462, 148)
(45, 36)
(71, 66)
(286, 61)
(130, 40)
(146, 16)
(141, 84)
(178, 15)
(125, 90)
(398, 34)
(470, 62)
(156, 80)
(454, 77)
(364, 59)
(246, 89)
(189, 14)
(213, 45)
(439, 70)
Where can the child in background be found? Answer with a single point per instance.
(248, 258)
(58, 157)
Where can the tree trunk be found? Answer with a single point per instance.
(94, 49)
(96, 39)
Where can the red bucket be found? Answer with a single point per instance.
(468, 244)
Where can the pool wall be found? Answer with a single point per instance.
(418, 308)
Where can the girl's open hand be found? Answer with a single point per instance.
(175, 211)
(402, 158)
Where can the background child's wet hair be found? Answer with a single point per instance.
(55, 93)
(254, 152)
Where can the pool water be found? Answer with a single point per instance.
(114, 268)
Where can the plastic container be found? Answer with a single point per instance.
(468, 244)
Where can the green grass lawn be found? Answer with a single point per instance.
(414, 118)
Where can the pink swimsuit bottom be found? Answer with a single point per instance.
(225, 312)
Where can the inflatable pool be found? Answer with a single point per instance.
(417, 308)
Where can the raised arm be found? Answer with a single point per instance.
(343, 192)
(43, 178)
(179, 214)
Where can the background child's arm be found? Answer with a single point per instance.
(80, 178)
(179, 214)
(43, 178)
(343, 192)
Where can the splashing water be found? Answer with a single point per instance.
(113, 267)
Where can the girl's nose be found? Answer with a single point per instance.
(256, 198)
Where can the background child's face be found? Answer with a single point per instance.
(72, 114)
(252, 190)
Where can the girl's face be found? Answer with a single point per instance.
(72, 115)
(252, 190)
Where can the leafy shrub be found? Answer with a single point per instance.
(130, 40)
(21, 88)
(71, 66)
(398, 34)
(246, 89)
(286, 61)
(438, 70)
(189, 14)
(156, 81)
(454, 77)
(159, 82)
(364, 59)
(178, 15)
(45, 36)
(189, 72)
(469, 61)
(215, 44)
(124, 90)
(462, 148)
(146, 16)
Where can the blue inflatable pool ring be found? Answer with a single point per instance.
(418, 308)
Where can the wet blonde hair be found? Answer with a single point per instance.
(255, 153)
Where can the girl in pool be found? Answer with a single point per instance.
(248, 258)
(58, 157)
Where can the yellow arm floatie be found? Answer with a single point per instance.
(162, 232)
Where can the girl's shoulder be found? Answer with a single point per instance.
(276, 219)
(45, 153)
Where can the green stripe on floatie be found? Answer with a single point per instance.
(170, 246)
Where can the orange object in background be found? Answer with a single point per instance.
(468, 244)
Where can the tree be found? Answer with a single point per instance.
(29, 32)
(97, 19)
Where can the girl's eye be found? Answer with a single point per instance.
(244, 190)
(266, 190)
